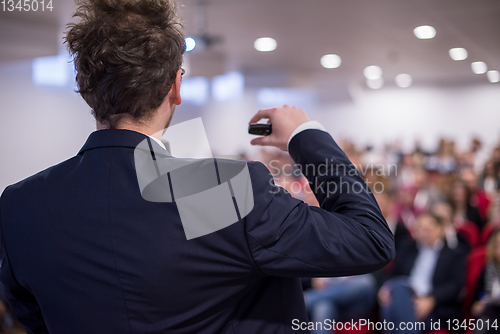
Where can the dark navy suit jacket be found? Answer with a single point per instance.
(83, 252)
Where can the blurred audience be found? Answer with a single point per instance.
(437, 204)
(463, 206)
(427, 191)
(494, 210)
(478, 196)
(427, 278)
(453, 238)
(341, 298)
(387, 207)
(444, 160)
(486, 304)
(490, 177)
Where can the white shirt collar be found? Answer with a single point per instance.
(158, 142)
(436, 247)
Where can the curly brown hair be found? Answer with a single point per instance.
(127, 54)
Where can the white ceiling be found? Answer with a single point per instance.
(362, 32)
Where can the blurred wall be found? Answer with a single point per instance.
(426, 113)
(39, 126)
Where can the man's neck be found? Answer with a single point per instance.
(151, 131)
(155, 136)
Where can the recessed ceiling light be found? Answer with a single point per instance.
(493, 76)
(331, 61)
(372, 72)
(190, 43)
(458, 54)
(404, 80)
(375, 83)
(265, 44)
(425, 32)
(479, 67)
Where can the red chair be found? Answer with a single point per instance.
(476, 262)
(470, 231)
(487, 231)
(483, 202)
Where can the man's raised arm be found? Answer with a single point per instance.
(346, 236)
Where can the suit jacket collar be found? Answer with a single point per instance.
(118, 138)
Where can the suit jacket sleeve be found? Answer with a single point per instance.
(346, 236)
(21, 300)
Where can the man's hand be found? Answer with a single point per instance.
(424, 306)
(319, 283)
(478, 308)
(384, 296)
(284, 120)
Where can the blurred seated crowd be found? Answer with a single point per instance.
(444, 210)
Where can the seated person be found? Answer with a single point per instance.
(341, 298)
(387, 207)
(401, 234)
(444, 210)
(426, 280)
(463, 206)
(487, 296)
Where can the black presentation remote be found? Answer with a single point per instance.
(260, 129)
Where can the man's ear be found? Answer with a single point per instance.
(175, 90)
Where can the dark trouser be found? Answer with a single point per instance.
(401, 310)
